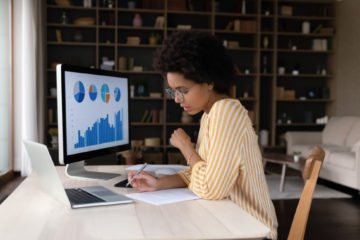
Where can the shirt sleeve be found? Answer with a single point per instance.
(185, 175)
(214, 177)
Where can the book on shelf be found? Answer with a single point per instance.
(144, 116)
(155, 115)
(149, 116)
(58, 35)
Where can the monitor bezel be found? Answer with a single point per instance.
(67, 159)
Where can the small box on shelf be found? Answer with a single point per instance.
(289, 94)
(133, 40)
(280, 93)
(286, 10)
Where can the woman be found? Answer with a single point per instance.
(227, 161)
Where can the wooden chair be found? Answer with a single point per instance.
(310, 175)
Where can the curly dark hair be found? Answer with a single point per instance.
(198, 56)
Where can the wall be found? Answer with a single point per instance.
(348, 58)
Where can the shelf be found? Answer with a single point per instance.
(303, 76)
(245, 74)
(267, 16)
(71, 7)
(147, 98)
(90, 44)
(320, 18)
(267, 49)
(234, 14)
(300, 125)
(106, 44)
(140, 10)
(141, 124)
(189, 13)
(247, 56)
(182, 124)
(107, 9)
(140, 28)
(241, 49)
(60, 25)
(107, 27)
(248, 99)
(303, 51)
(305, 101)
(142, 72)
(197, 29)
(299, 34)
(266, 33)
(138, 46)
(233, 32)
(266, 74)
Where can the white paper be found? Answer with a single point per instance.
(164, 196)
(156, 167)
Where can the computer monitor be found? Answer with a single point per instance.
(93, 117)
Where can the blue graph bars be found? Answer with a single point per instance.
(102, 132)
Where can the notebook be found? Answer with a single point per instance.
(77, 197)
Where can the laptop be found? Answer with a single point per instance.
(51, 183)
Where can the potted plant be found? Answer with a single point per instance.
(154, 38)
(296, 156)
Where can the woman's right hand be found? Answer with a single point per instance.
(143, 182)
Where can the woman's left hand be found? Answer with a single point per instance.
(179, 139)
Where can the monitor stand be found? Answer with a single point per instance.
(77, 169)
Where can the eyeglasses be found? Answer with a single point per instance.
(175, 93)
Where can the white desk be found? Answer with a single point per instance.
(29, 213)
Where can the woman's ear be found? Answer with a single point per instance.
(210, 86)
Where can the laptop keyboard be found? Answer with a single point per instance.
(79, 196)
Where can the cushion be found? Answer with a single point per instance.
(329, 149)
(343, 159)
(337, 129)
(356, 146)
(354, 135)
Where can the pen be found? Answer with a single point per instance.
(137, 173)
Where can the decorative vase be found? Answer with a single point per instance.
(265, 42)
(137, 21)
(153, 40)
(306, 27)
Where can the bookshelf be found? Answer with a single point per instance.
(257, 60)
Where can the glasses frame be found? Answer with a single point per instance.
(175, 93)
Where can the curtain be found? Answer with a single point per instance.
(28, 79)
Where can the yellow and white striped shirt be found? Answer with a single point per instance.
(232, 163)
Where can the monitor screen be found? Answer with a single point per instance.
(93, 113)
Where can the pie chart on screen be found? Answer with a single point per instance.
(92, 92)
(79, 91)
(105, 93)
(117, 94)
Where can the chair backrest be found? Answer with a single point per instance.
(310, 174)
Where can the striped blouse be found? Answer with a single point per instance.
(232, 163)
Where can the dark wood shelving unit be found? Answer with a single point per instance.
(110, 40)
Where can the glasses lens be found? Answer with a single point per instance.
(170, 92)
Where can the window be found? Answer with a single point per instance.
(5, 88)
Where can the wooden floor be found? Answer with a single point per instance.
(329, 218)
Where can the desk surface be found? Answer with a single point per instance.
(30, 213)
